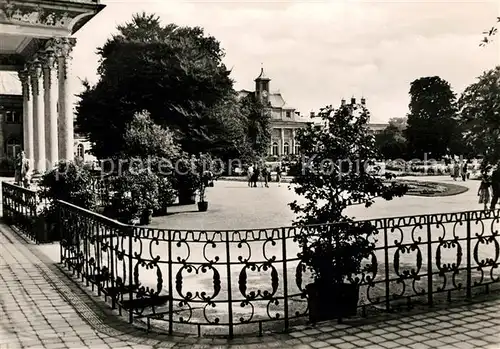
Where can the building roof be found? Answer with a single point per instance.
(262, 75)
(10, 84)
(276, 100)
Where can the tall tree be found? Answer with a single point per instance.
(257, 124)
(391, 142)
(175, 73)
(432, 123)
(480, 115)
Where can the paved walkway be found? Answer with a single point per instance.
(43, 308)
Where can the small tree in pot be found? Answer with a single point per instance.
(333, 176)
(185, 179)
(207, 170)
(136, 196)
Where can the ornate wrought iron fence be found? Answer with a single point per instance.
(19, 208)
(232, 282)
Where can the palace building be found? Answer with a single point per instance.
(36, 43)
(285, 119)
(373, 128)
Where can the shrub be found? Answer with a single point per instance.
(135, 191)
(70, 182)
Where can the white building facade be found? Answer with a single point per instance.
(36, 42)
(285, 119)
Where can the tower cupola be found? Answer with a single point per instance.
(262, 84)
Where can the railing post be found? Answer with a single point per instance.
(469, 263)
(430, 300)
(229, 288)
(60, 229)
(130, 233)
(285, 278)
(112, 267)
(97, 249)
(170, 286)
(386, 262)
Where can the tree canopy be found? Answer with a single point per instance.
(176, 74)
(334, 173)
(480, 115)
(432, 123)
(391, 142)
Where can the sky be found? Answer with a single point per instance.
(318, 52)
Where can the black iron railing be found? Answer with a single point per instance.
(239, 281)
(19, 208)
(232, 282)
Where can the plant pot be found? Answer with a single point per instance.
(328, 301)
(186, 197)
(146, 216)
(162, 211)
(202, 206)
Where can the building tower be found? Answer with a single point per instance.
(262, 86)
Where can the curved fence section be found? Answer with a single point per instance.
(250, 281)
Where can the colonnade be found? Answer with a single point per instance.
(281, 143)
(47, 110)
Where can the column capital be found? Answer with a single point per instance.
(61, 46)
(24, 77)
(35, 71)
(48, 60)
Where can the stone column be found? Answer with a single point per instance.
(292, 151)
(38, 118)
(65, 118)
(50, 99)
(24, 76)
(282, 146)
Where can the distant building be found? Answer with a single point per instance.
(374, 128)
(11, 127)
(285, 119)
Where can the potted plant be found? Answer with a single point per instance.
(207, 170)
(333, 245)
(135, 196)
(185, 180)
(334, 253)
(165, 196)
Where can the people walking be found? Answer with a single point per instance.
(250, 174)
(495, 188)
(265, 177)
(456, 171)
(484, 191)
(278, 175)
(464, 171)
(255, 177)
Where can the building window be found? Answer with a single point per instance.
(12, 117)
(297, 148)
(80, 151)
(288, 114)
(275, 149)
(286, 148)
(13, 148)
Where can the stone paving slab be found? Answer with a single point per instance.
(41, 307)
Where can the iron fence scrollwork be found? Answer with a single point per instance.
(246, 281)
